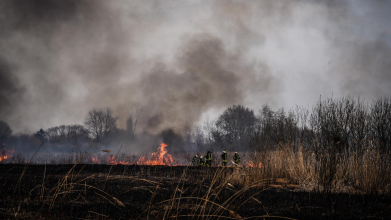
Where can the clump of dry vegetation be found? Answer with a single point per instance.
(326, 172)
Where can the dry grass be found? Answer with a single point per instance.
(366, 173)
(327, 172)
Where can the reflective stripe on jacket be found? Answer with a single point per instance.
(209, 156)
(236, 158)
(224, 157)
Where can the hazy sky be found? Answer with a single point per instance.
(184, 61)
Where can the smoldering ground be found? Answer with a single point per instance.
(178, 60)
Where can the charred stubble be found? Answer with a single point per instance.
(157, 192)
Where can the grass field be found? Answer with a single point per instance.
(281, 184)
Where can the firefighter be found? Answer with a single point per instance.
(224, 158)
(236, 158)
(201, 161)
(195, 160)
(208, 159)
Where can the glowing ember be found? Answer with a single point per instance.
(160, 157)
(5, 153)
(251, 164)
(112, 160)
(109, 160)
(95, 160)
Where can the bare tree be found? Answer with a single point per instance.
(381, 122)
(70, 134)
(53, 134)
(132, 120)
(276, 127)
(100, 122)
(236, 124)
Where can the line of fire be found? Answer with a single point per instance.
(159, 158)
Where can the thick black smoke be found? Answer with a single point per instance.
(56, 56)
(208, 77)
(90, 40)
(10, 89)
(177, 60)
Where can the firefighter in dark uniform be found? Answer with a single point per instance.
(201, 161)
(208, 159)
(236, 159)
(224, 157)
(195, 160)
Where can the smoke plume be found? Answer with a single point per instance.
(178, 60)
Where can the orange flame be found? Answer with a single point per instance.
(112, 160)
(5, 153)
(160, 157)
(95, 160)
(109, 160)
(251, 164)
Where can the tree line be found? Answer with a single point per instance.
(344, 124)
(100, 126)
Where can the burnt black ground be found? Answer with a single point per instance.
(140, 187)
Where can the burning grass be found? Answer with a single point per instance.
(282, 182)
(6, 154)
(160, 157)
(367, 173)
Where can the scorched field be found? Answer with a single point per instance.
(101, 191)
